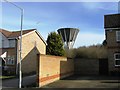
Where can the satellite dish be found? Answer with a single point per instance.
(68, 36)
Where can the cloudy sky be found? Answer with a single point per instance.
(50, 16)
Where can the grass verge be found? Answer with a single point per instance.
(7, 77)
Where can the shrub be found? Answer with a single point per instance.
(95, 51)
(55, 45)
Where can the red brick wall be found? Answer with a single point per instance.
(52, 68)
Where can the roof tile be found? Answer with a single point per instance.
(14, 34)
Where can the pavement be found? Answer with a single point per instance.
(86, 82)
(14, 83)
(73, 82)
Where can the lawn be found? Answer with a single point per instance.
(6, 77)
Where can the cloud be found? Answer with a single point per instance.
(101, 5)
(47, 17)
(86, 39)
(63, 0)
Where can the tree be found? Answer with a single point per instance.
(104, 43)
(55, 45)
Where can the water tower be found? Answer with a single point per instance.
(68, 36)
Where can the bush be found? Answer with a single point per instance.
(97, 51)
(55, 45)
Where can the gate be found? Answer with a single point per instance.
(103, 66)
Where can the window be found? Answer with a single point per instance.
(11, 43)
(118, 36)
(117, 59)
(10, 60)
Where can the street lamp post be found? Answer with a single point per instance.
(119, 7)
(21, 27)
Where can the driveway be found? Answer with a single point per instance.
(14, 83)
(86, 82)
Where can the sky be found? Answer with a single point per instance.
(47, 17)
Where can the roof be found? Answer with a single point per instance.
(69, 29)
(16, 34)
(5, 32)
(68, 34)
(112, 21)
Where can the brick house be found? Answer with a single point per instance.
(32, 44)
(112, 31)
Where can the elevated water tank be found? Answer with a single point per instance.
(68, 36)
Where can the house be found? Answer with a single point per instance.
(112, 31)
(32, 44)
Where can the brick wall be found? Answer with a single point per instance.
(113, 47)
(31, 46)
(111, 59)
(52, 68)
(111, 38)
(86, 66)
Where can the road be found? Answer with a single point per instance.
(89, 82)
(86, 82)
(14, 83)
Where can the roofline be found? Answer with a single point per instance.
(34, 30)
(112, 28)
(68, 28)
(27, 33)
(111, 14)
(40, 36)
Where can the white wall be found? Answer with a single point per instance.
(4, 42)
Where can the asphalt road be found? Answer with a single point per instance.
(86, 82)
(14, 83)
(73, 82)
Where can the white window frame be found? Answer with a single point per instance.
(10, 60)
(116, 58)
(117, 35)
